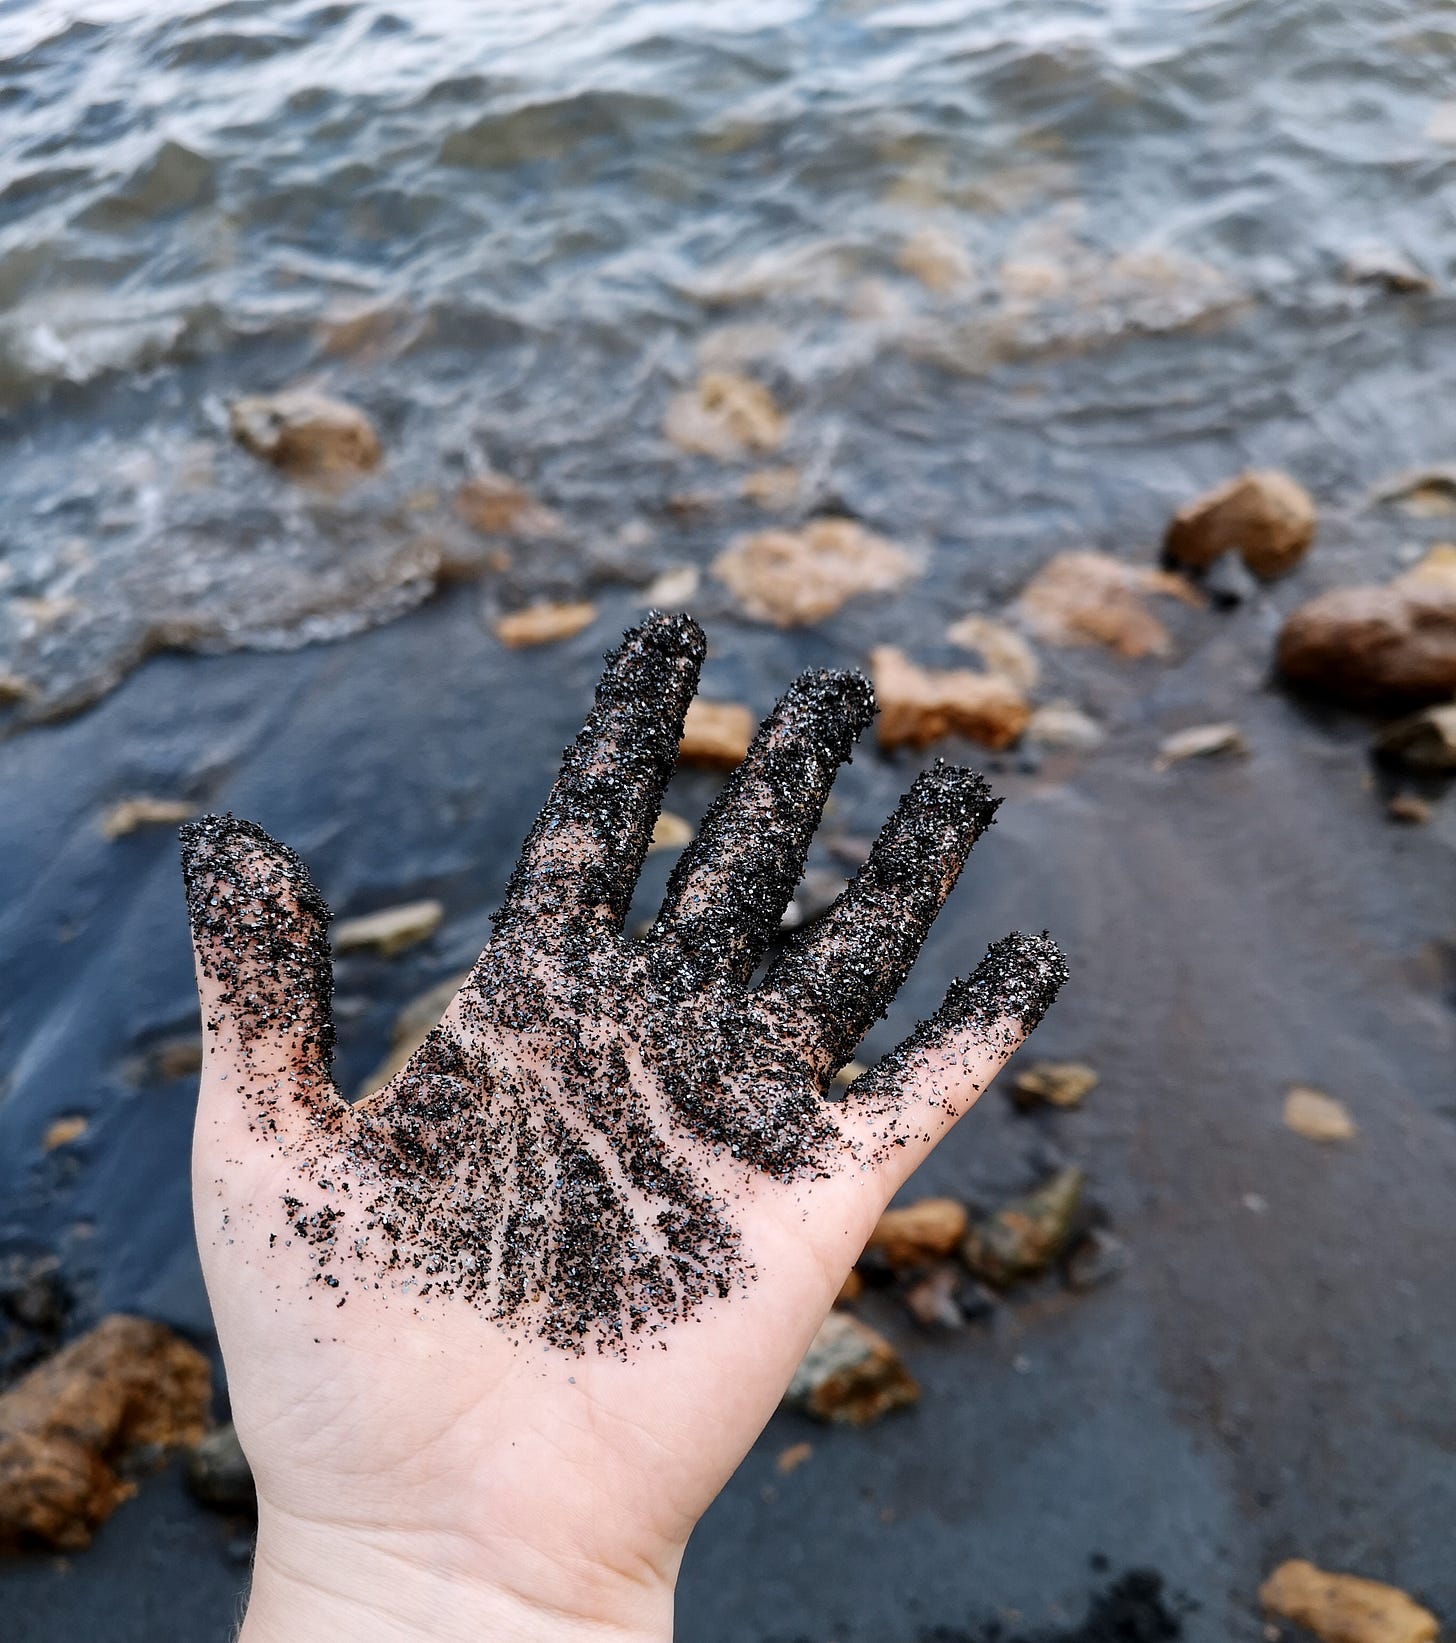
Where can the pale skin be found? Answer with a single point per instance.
(434, 1468)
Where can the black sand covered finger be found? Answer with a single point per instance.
(731, 885)
(842, 972)
(261, 933)
(581, 859)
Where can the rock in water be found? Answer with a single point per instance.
(920, 705)
(795, 578)
(1426, 741)
(1054, 1084)
(389, 931)
(218, 1473)
(919, 1233)
(1064, 725)
(850, 1373)
(1345, 1608)
(495, 505)
(1088, 598)
(305, 433)
(1317, 1116)
(1001, 649)
(1375, 647)
(544, 624)
(66, 1427)
(725, 416)
(1266, 517)
(715, 734)
(1025, 1236)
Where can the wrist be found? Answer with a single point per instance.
(328, 1585)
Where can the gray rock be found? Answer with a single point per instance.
(218, 1473)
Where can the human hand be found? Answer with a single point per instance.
(497, 1335)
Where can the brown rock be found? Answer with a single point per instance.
(715, 735)
(389, 931)
(1409, 808)
(1266, 517)
(794, 578)
(1026, 1235)
(1001, 649)
(1317, 1116)
(933, 1302)
(306, 433)
(1345, 1608)
(1428, 493)
(543, 624)
(1376, 647)
(724, 416)
(1086, 598)
(497, 506)
(850, 1373)
(1426, 741)
(670, 832)
(792, 1458)
(65, 1132)
(1054, 1084)
(919, 1233)
(412, 1026)
(920, 705)
(126, 815)
(15, 689)
(850, 1290)
(772, 487)
(1437, 565)
(67, 1425)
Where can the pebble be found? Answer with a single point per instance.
(305, 433)
(218, 1473)
(919, 706)
(1054, 1084)
(1265, 516)
(65, 1132)
(670, 832)
(496, 505)
(919, 1233)
(1200, 742)
(1375, 647)
(545, 623)
(126, 815)
(1341, 1608)
(1026, 1235)
(724, 416)
(1426, 741)
(850, 1374)
(1062, 724)
(934, 1302)
(715, 735)
(1385, 266)
(1082, 597)
(1409, 808)
(1317, 1116)
(672, 589)
(794, 578)
(391, 930)
(1001, 649)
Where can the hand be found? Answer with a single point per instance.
(496, 1336)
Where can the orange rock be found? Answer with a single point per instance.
(792, 1458)
(715, 734)
(542, 624)
(920, 1232)
(919, 706)
(1084, 598)
(306, 433)
(65, 1131)
(793, 578)
(850, 1373)
(496, 506)
(67, 1424)
(726, 416)
(1378, 647)
(1345, 1608)
(1266, 516)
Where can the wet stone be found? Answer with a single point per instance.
(127, 815)
(724, 416)
(919, 1233)
(1317, 1116)
(1264, 516)
(306, 434)
(919, 706)
(1344, 1608)
(544, 624)
(1026, 1235)
(1375, 647)
(1201, 742)
(1053, 1084)
(934, 1301)
(794, 578)
(391, 930)
(850, 1374)
(1086, 598)
(1424, 742)
(715, 735)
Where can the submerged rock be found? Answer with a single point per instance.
(1317, 1116)
(66, 1428)
(306, 433)
(543, 624)
(920, 705)
(724, 416)
(1426, 741)
(919, 1233)
(1428, 493)
(495, 505)
(1265, 516)
(1086, 598)
(795, 578)
(126, 815)
(715, 735)
(850, 1373)
(1001, 649)
(1375, 647)
(1345, 1608)
(218, 1473)
(1387, 267)
(389, 931)
(1054, 1084)
(1025, 1236)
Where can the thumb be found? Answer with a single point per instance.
(264, 974)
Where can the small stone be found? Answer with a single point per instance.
(715, 735)
(670, 832)
(1096, 1260)
(724, 416)
(851, 1374)
(306, 433)
(848, 1073)
(65, 1132)
(933, 1302)
(218, 1473)
(391, 930)
(919, 1233)
(412, 1026)
(1265, 516)
(543, 624)
(126, 815)
(672, 589)
(1385, 266)
(792, 1458)
(1082, 598)
(939, 261)
(1410, 809)
(1054, 1084)
(15, 689)
(1200, 742)
(1426, 741)
(1229, 582)
(1001, 649)
(1427, 493)
(1064, 725)
(1023, 1237)
(772, 487)
(1317, 1116)
(126, 1388)
(1345, 1608)
(1375, 647)
(795, 578)
(920, 705)
(497, 506)
(850, 1290)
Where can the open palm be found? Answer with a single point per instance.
(497, 1335)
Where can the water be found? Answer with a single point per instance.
(511, 232)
